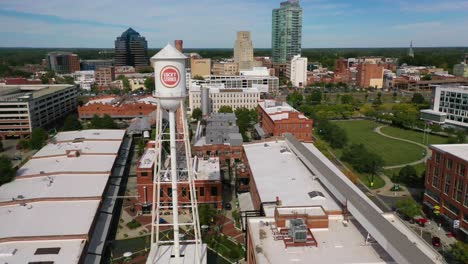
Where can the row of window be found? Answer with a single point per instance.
(460, 167)
(200, 191)
(292, 126)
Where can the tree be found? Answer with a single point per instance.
(197, 114)
(7, 172)
(23, 144)
(125, 81)
(1, 146)
(347, 99)
(225, 109)
(417, 98)
(198, 77)
(38, 138)
(245, 120)
(108, 123)
(95, 122)
(461, 137)
(149, 84)
(408, 207)
(362, 160)
(332, 133)
(71, 123)
(409, 176)
(426, 77)
(405, 115)
(314, 98)
(295, 99)
(459, 251)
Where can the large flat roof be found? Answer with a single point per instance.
(82, 164)
(85, 147)
(56, 186)
(24, 251)
(207, 169)
(277, 172)
(338, 244)
(91, 134)
(51, 218)
(457, 150)
(163, 254)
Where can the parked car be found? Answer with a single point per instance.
(227, 206)
(436, 241)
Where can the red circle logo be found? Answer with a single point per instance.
(170, 76)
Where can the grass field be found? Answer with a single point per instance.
(412, 135)
(393, 152)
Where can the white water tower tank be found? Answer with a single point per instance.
(169, 77)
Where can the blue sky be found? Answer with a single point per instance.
(213, 23)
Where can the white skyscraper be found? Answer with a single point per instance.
(297, 71)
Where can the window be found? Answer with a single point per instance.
(451, 208)
(214, 191)
(461, 169)
(47, 251)
(458, 197)
(449, 164)
(202, 191)
(144, 173)
(437, 160)
(169, 192)
(466, 195)
(184, 191)
(447, 183)
(432, 195)
(435, 178)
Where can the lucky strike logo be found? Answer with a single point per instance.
(170, 76)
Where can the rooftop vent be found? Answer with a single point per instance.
(265, 145)
(315, 194)
(298, 230)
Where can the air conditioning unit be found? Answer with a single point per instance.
(297, 230)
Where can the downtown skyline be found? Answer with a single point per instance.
(213, 24)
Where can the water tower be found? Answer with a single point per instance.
(175, 238)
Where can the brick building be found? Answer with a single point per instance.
(370, 75)
(446, 184)
(104, 76)
(207, 181)
(277, 118)
(117, 107)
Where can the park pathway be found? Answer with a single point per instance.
(426, 157)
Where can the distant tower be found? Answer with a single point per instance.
(183, 244)
(411, 51)
(243, 50)
(179, 45)
(131, 49)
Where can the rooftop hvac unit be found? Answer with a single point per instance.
(298, 230)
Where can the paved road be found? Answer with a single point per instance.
(426, 157)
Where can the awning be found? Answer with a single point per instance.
(259, 130)
(429, 205)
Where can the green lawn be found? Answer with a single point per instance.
(412, 135)
(394, 152)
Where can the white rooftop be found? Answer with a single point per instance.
(457, 150)
(163, 254)
(21, 252)
(85, 147)
(91, 134)
(85, 163)
(207, 169)
(337, 244)
(148, 158)
(277, 172)
(168, 52)
(53, 218)
(105, 100)
(148, 100)
(57, 186)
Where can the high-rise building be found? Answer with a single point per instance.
(243, 51)
(460, 70)
(286, 31)
(131, 49)
(297, 71)
(104, 76)
(63, 62)
(92, 65)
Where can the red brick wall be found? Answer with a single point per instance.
(367, 71)
(449, 198)
(131, 110)
(301, 128)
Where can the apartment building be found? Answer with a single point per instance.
(297, 71)
(104, 76)
(210, 98)
(266, 84)
(446, 184)
(63, 62)
(200, 67)
(225, 68)
(207, 182)
(24, 107)
(277, 118)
